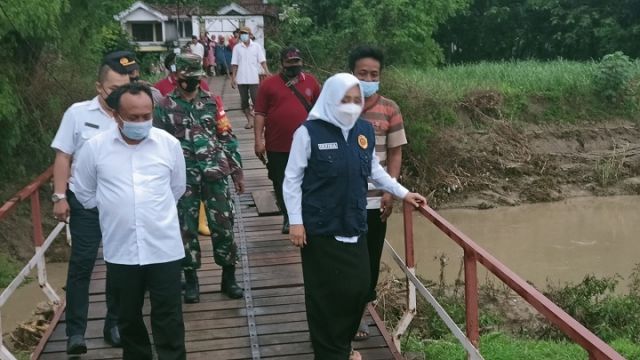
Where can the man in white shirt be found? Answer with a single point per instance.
(134, 174)
(246, 60)
(81, 122)
(196, 47)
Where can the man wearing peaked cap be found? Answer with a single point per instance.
(211, 155)
(122, 62)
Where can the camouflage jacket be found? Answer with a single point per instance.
(210, 148)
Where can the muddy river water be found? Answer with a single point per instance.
(559, 242)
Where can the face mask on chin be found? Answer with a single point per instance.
(189, 84)
(348, 114)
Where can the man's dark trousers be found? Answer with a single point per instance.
(165, 295)
(377, 230)
(85, 236)
(276, 164)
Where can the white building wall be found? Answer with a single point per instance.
(226, 24)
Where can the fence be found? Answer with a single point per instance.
(474, 254)
(32, 192)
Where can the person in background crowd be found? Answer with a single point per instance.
(283, 104)
(247, 60)
(325, 191)
(222, 63)
(210, 148)
(196, 47)
(384, 115)
(210, 57)
(81, 122)
(233, 39)
(133, 173)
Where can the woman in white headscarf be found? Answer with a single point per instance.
(325, 189)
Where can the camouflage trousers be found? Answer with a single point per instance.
(219, 212)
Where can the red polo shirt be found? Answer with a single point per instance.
(283, 110)
(168, 84)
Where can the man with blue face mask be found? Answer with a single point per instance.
(134, 175)
(366, 64)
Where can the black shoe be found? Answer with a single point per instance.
(285, 225)
(191, 287)
(112, 336)
(229, 286)
(76, 345)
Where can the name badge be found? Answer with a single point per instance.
(92, 125)
(328, 146)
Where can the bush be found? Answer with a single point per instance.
(613, 79)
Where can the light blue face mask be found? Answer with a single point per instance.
(369, 87)
(244, 37)
(136, 130)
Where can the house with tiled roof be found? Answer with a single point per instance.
(155, 27)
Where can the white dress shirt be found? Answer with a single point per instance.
(248, 58)
(294, 174)
(81, 122)
(135, 188)
(197, 49)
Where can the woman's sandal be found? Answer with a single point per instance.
(363, 331)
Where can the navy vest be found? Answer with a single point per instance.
(334, 188)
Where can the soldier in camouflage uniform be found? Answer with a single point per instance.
(210, 148)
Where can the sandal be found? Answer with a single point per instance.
(355, 355)
(248, 126)
(363, 331)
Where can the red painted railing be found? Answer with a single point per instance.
(32, 192)
(473, 254)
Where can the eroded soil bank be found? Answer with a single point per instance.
(498, 163)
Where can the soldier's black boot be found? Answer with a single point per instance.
(229, 286)
(191, 287)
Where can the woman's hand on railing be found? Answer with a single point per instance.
(297, 235)
(415, 199)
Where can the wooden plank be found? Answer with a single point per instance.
(265, 201)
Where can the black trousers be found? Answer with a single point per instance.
(163, 282)
(86, 236)
(375, 243)
(276, 164)
(336, 284)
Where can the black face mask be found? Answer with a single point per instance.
(189, 84)
(292, 71)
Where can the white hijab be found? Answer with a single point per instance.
(333, 90)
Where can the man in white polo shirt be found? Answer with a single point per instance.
(246, 60)
(134, 174)
(81, 122)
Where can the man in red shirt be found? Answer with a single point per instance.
(282, 104)
(168, 84)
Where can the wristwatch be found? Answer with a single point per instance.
(57, 197)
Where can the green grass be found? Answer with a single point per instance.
(8, 270)
(497, 346)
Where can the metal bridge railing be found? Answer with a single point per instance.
(474, 254)
(38, 260)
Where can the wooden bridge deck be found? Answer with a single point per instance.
(269, 322)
